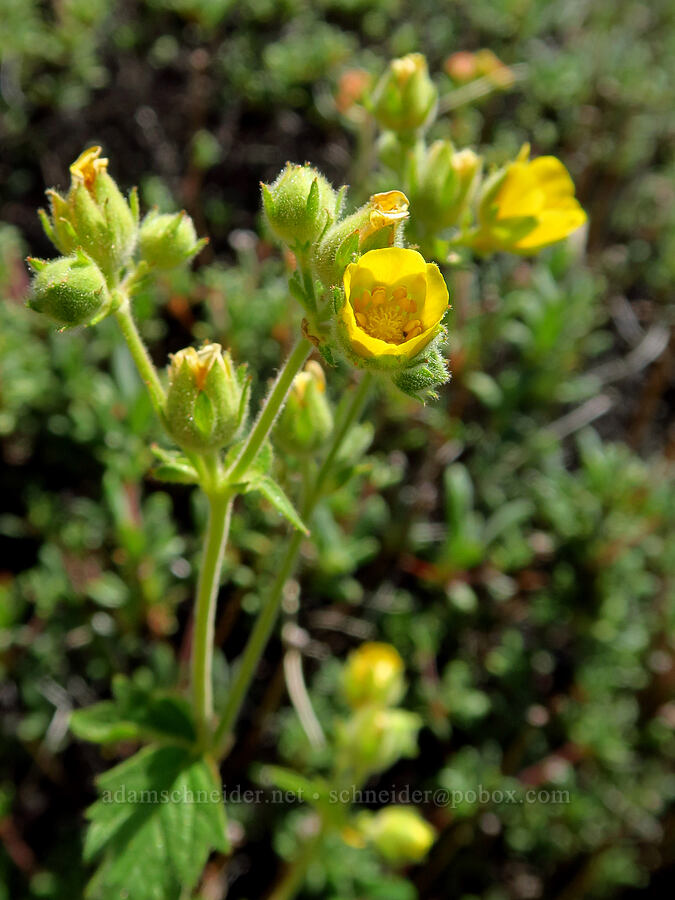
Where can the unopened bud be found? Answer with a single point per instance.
(373, 739)
(70, 290)
(299, 205)
(168, 239)
(442, 183)
(373, 675)
(207, 399)
(405, 97)
(376, 225)
(93, 216)
(307, 420)
(400, 834)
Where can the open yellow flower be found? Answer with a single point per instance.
(534, 206)
(394, 302)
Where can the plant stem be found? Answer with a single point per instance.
(294, 876)
(220, 509)
(140, 355)
(270, 609)
(270, 410)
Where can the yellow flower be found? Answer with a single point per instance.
(400, 834)
(394, 302)
(373, 674)
(534, 206)
(87, 166)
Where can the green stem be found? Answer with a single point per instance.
(220, 509)
(140, 355)
(270, 410)
(294, 876)
(270, 609)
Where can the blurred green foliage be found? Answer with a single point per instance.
(520, 561)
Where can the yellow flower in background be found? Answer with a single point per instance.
(531, 206)
(373, 674)
(394, 303)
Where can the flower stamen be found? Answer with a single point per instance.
(387, 315)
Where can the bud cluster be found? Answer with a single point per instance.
(96, 228)
(377, 733)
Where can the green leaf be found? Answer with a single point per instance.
(135, 715)
(159, 816)
(272, 491)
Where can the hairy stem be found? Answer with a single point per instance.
(140, 355)
(292, 880)
(270, 609)
(220, 509)
(270, 410)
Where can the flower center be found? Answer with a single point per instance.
(388, 315)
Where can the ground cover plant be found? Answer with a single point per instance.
(437, 661)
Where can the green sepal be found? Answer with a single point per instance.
(173, 467)
(419, 381)
(348, 250)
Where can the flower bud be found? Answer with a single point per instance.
(70, 290)
(307, 419)
(167, 240)
(207, 399)
(373, 739)
(93, 216)
(373, 675)
(399, 833)
(377, 224)
(442, 184)
(299, 205)
(405, 97)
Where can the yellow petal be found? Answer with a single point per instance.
(530, 187)
(392, 264)
(437, 297)
(552, 177)
(519, 194)
(553, 225)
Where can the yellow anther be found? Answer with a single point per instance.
(361, 319)
(379, 296)
(412, 325)
(417, 330)
(399, 293)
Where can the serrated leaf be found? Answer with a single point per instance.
(159, 816)
(272, 491)
(135, 715)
